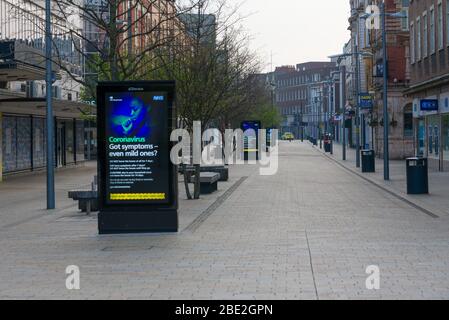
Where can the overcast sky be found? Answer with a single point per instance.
(296, 30)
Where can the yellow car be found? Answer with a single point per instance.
(288, 136)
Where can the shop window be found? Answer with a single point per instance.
(16, 143)
(433, 137)
(445, 137)
(421, 138)
(39, 142)
(408, 121)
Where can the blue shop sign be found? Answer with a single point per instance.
(366, 101)
(429, 105)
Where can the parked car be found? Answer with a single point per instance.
(288, 136)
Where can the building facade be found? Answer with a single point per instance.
(429, 63)
(368, 39)
(301, 95)
(22, 90)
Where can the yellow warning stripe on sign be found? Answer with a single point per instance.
(137, 196)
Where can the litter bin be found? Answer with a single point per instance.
(417, 175)
(328, 143)
(368, 161)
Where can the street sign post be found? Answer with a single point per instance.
(366, 101)
(137, 181)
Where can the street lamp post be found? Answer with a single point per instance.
(357, 109)
(342, 107)
(320, 115)
(49, 112)
(334, 102)
(385, 97)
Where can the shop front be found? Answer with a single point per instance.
(432, 130)
(23, 139)
(24, 142)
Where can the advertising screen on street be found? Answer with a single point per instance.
(137, 180)
(250, 135)
(137, 147)
(251, 139)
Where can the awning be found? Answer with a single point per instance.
(37, 106)
(17, 71)
(22, 61)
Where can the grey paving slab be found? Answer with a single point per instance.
(308, 232)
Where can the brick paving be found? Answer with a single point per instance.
(437, 201)
(308, 232)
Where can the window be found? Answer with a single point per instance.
(404, 21)
(425, 35)
(432, 30)
(408, 121)
(418, 38)
(440, 26)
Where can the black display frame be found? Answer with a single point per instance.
(129, 217)
(246, 153)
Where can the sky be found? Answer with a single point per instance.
(295, 31)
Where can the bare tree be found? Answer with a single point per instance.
(196, 42)
(110, 39)
(213, 70)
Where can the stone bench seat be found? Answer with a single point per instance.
(222, 170)
(208, 182)
(87, 200)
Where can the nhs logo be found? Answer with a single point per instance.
(158, 98)
(112, 99)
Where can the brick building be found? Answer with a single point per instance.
(429, 31)
(295, 88)
(398, 57)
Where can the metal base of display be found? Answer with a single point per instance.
(157, 221)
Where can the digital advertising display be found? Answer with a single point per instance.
(250, 137)
(138, 182)
(137, 147)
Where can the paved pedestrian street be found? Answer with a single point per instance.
(308, 232)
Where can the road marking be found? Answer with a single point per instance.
(311, 266)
